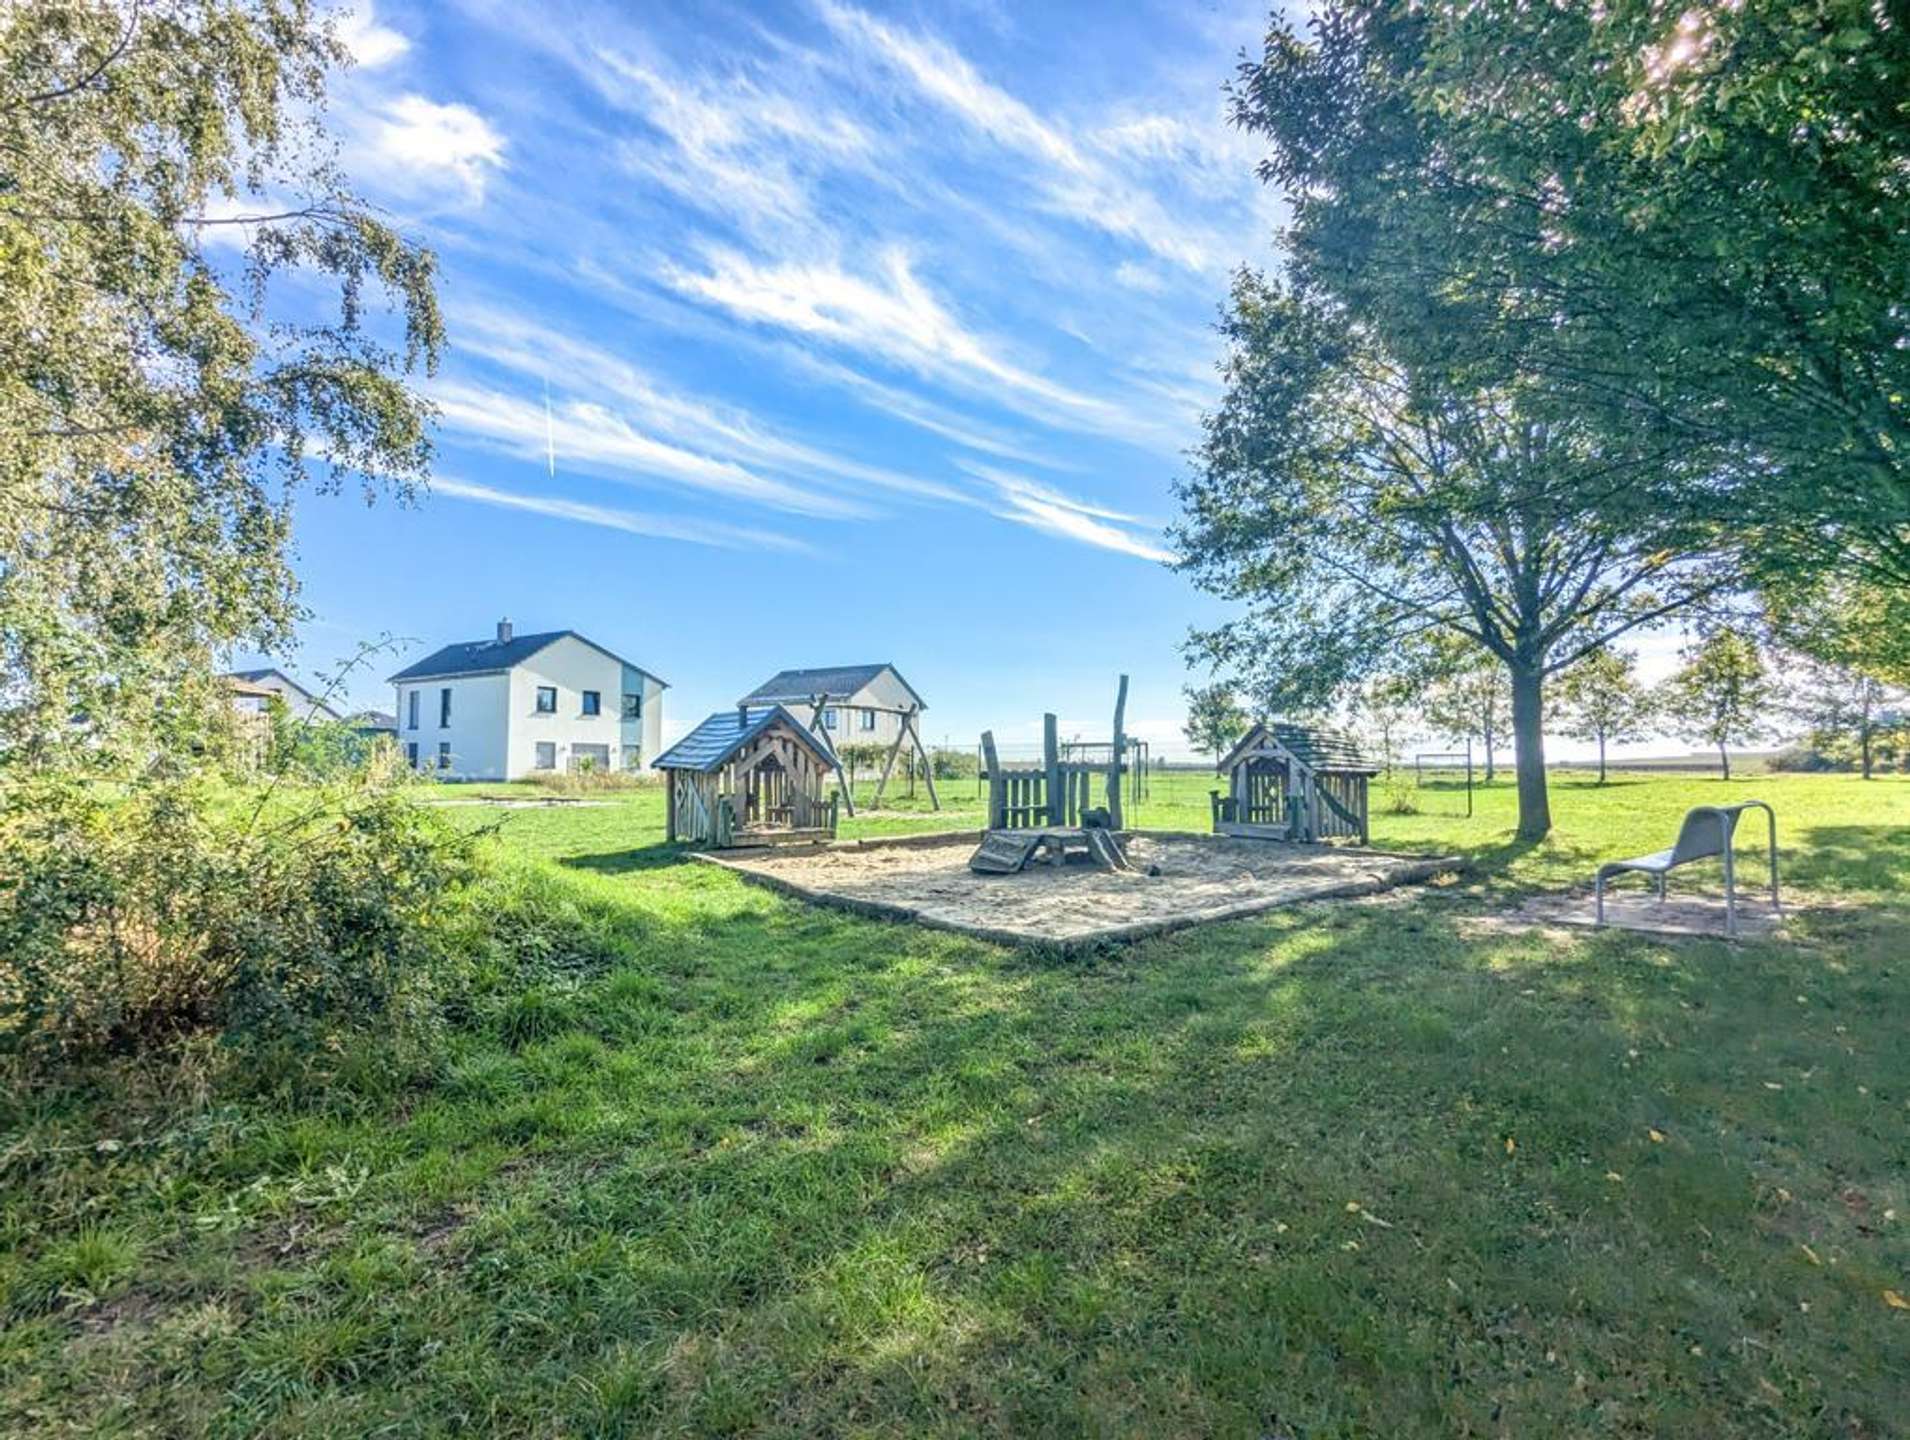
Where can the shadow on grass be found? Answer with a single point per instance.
(1133, 1194)
(628, 861)
(786, 1171)
(1847, 858)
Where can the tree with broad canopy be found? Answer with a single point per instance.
(1680, 217)
(1357, 503)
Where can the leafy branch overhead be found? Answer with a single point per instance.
(161, 402)
(1686, 219)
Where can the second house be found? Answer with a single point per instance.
(517, 705)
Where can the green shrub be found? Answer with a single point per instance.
(591, 779)
(1841, 750)
(955, 764)
(138, 913)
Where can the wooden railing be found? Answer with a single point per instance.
(1018, 795)
(1056, 792)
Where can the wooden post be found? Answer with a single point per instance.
(669, 807)
(997, 783)
(928, 767)
(1120, 748)
(818, 704)
(888, 763)
(1051, 762)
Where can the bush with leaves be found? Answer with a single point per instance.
(953, 764)
(860, 756)
(133, 915)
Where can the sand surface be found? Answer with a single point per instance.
(1199, 878)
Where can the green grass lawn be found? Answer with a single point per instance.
(1355, 1169)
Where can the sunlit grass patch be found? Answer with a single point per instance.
(734, 1165)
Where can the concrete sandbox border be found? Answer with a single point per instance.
(1414, 870)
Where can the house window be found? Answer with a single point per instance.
(546, 755)
(868, 719)
(411, 750)
(829, 719)
(444, 708)
(632, 706)
(633, 757)
(546, 699)
(444, 754)
(593, 703)
(411, 716)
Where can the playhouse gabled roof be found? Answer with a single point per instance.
(838, 682)
(712, 744)
(1317, 747)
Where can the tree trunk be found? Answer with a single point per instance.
(1528, 739)
(1487, 737)
(1724, 759)
(1601, 757)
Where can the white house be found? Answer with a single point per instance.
(860, 704)
(511, 706)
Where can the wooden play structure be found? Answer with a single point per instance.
(1294, 782)
(749, 776)
(851, 689)
(1055, 807)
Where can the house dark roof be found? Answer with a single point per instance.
(264, 672)
(372, 720)
(1315, 746)
(478, 657)
(711, 744)
(836, 681)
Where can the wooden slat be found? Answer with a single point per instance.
(1051, 763)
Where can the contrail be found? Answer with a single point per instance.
(550, 434)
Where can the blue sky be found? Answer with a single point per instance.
(867, 334)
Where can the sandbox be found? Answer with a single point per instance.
(925, 879)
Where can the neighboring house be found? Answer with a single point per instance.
(859, 704)
(373, 723)
(515, 705)
(300, 703)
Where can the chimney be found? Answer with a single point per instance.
(504, 631)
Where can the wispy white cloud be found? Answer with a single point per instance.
(729, 145)
(1041, 507)
(892, 315)
(1139, 277)
(545, 354)
(1075, 181)
(370, 43)
(594, 436)
(925, 414)
(656, 527)
(419, 146)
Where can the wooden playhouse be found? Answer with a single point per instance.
(752, 775)
(1294, 782)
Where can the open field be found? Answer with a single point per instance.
(1343, 1169)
